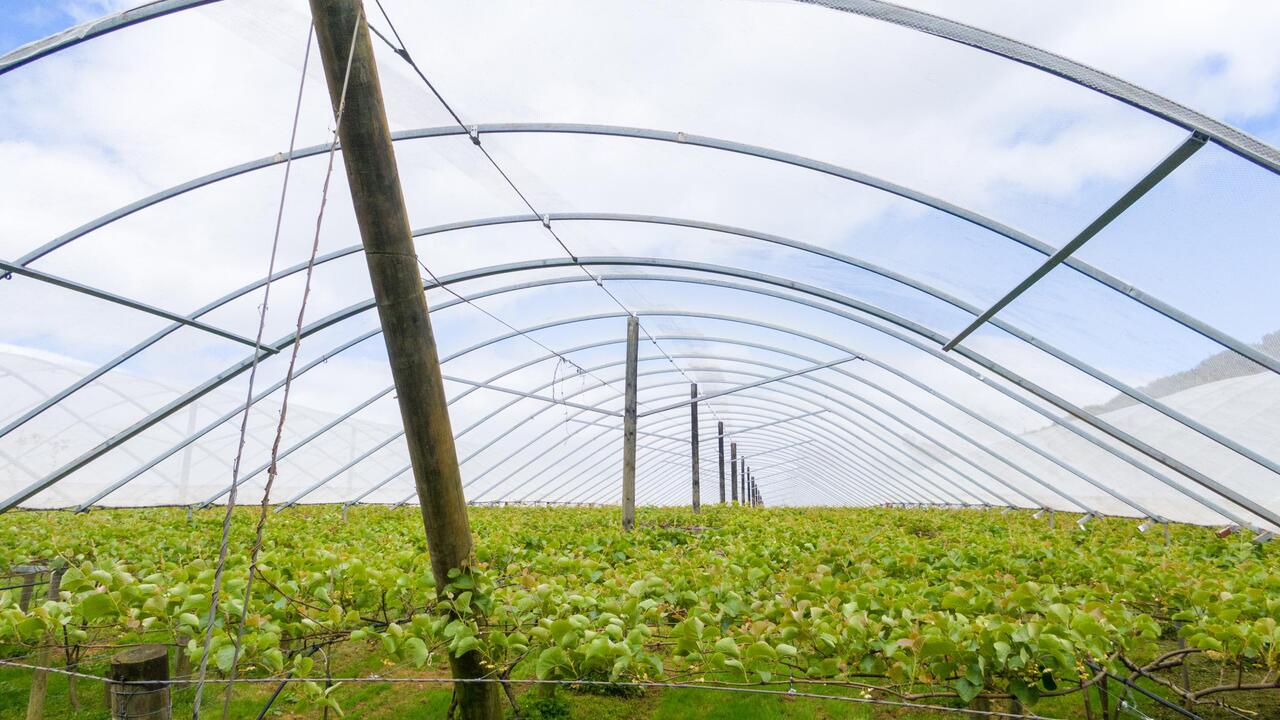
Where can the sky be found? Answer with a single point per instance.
(115, 119)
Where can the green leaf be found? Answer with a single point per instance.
(224, 657)
(415, 650)
(552, 662)
(727, 646)
(966, 690)
(96, 606)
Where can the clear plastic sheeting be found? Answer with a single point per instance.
(803, 224)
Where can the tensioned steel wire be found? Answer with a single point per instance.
(275, 448)
(402, 52)
(751, 689)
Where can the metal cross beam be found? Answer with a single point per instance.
(1180, 155)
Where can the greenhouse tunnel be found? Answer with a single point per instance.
(945, 267)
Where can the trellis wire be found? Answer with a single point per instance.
(791, 693)
(262, 321)
(272, 470)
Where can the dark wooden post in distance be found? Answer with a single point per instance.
(629, 426)
(693, 430)
(720, 448)
(130, 696)
(378, 201)
(30, 575)
(40, 678)
(733, 470)
(742, 477)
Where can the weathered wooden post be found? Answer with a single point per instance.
(30, 577)
(742, 477)
(720, 449)
(352, 75)
(139, 683)
(733, 470)
(40, 678)
(629, 426)
(693, 431)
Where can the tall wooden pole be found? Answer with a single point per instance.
(733, 471)
(402, 307)
(720, 443)
(693, 432)
(629, 426)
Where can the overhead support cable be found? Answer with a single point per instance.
(473, 131)
(1162, 170)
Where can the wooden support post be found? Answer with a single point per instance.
(378, 201)
(733, 470)
(40, 678)
(720, 449)
(742, 478)
(30, 576)
(693, 431)
(181, 662)
(629, 426)
(130, 697)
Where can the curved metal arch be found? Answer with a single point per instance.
(662, 485)
(884, 480)
(851, 445)
(810, 422)
(982, 448)
(663, 424)
(850, 483)
(864, 477)
(581, 447)
(1233, 139)
(524, 421)
(360, 307)
(977, 484)
(609, 446)
(907, 281)
(970, 216)
(761, 346)
(885, 475)
(668, 371)
(968, 353)
(668, 491)
(598, 485)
